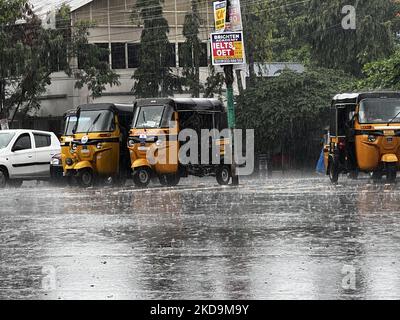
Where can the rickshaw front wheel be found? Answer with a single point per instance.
(86, 178)
(223, 175)
(142, 177)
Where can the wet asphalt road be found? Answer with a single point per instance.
(292, 238)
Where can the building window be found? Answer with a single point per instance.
(118, 58)
(133, 55)
(185, 55)
(104, 52)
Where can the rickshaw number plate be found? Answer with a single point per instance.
(84, 147)
(389, 139)
(143, 148)
(388, 132)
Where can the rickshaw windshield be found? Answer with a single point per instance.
(95, 121)
(5, 138)
(149, 117)
(379, 111)
(70, 123)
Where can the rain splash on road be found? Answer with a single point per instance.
(293, 238)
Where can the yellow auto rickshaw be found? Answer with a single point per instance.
(56, 166)
(98, 148)
(364, 135)
(158, 125)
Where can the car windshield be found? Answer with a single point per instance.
(149, 117)
(5, 138)
(379, 111)
(94, 121)
(70, 123)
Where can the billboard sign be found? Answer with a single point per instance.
(227, 48)
(220, 15)
(235, 16)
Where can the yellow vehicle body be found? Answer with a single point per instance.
(98, 154)
(366, 135)
(104, 161)
(168, 151)
(385, 149)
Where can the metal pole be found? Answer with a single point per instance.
(229, 79)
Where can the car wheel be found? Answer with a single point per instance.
(3, 179)
(142, 177)
(223, 175)
(86, 178)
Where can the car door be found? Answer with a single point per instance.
(22, 157)
(44, 152)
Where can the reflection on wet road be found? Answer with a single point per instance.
(266, 239)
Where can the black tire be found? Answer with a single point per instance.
(3, 178)
(15, 183)
(86, 178)
(333, 172)
(142, 177)
(224, 175)
(169, 180)
(391, 173)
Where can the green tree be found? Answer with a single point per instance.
(29, 55)
(287, 112)
(382, 74)
(334, 47)
(191, 51)
(214, 84)
(153, 77)
(93, 71)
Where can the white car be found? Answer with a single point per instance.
(26, 155)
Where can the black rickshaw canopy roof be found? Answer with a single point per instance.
(185, 104)
(114, 107)
(355, 98)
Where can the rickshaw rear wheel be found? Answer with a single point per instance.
(391, 173)
(86, 178)
(223, 175)
(142, 177)
(333, 172)
(169, 180)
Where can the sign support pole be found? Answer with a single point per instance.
(229, 79)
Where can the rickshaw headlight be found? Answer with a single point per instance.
(131, 143)
(74, 146)
(159, 143)
(371, 138)
(99, 146)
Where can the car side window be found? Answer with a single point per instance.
(23, 142)
(42, 140)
